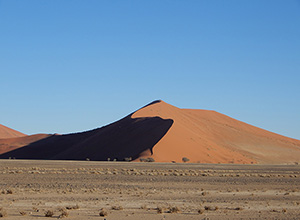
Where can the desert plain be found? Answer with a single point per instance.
(135, 190)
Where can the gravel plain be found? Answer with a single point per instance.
(131, 190)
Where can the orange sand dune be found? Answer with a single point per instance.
(167, 133)
(6, 132)
(210, 137)
(10, 144)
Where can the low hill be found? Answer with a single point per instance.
(167, 133)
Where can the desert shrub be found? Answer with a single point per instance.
(238, 208)
(185, 159)
(149, 159)
(204, 193)
(174, 209)
(64, 214)
(128, 159)
(200, 211)
(3, 213)
(103, 212)
(159, 210)
(49, 213)
(143, 206)
(23, 213)
(35, 209)
(7, 191)
(210, 208)
(117, 207)
(73, 207)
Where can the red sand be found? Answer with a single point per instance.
(210, 137)
(165, 133)
(6, 132)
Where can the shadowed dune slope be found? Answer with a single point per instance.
(167, 133)
(125, 138)
(210, 137)
(10, 144)
(6, 132)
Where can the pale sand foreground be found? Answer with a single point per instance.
(227, 191)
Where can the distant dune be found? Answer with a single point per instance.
(10, 144)
(6, 132)
(167, 133)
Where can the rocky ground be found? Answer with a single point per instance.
(123, 190)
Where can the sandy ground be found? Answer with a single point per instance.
(138, 190)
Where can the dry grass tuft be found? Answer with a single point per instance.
(64, 214)
(23, 213)
(159, 210)
(117, 207)
(35, 209)
(238, 209)
(144, 207)
(174, 209)
(7, 191)
(210, 208)
(200, 211)
(73, 207)
(3, 213)
(49, 213)
(103, 212)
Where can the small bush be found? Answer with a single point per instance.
(160, 210)
(185, 159)
(210, 208)
(3, 213)
(103, 212)
(49, 213)
(128, 159)
(35, 209)
(174, 209)
(72, 207)
(149, 159)
(63, 214)
(7, 191)
(143, 206)
(200, 211)
(238, 208)
(23, 213)
(117, 207)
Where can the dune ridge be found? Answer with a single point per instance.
(210, 137)
(6, 132)
(167, 133)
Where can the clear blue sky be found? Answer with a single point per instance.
(69, 65)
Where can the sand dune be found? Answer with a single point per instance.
(167, 133)
(10, 144)
(6, 132)
(210, 137)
